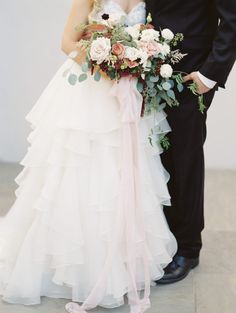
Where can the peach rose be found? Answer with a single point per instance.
(119, 50)
(131, 64)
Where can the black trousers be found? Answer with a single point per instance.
(185, 163)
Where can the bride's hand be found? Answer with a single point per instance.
(80, 57)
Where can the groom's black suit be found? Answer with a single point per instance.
(209, 27)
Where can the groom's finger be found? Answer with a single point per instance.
(187, 78)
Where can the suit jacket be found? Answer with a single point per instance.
(209, 28)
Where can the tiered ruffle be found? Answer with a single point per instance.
(55, 238)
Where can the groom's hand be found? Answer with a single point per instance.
(201, 88)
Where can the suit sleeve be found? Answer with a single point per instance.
(222, 56)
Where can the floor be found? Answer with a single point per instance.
(211, 288)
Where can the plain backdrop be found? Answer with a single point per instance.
(30, 34)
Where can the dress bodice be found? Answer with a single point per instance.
(137, 14)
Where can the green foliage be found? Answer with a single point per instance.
(82, 77)
(202, 106)
(157, 92)
(140, 86)
(85, 67)
(97, 76)
(178, 78)
(166, 86)
(180, 87)
(154, 79)
(80, 27)
(149, 18)
(171, 94)
(193, 88)
(164, 142)
(120, 35)
(177, 39)
(72, 79)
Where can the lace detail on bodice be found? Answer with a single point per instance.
(136, 16)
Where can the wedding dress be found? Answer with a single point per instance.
(60, 231)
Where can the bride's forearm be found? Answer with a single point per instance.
(70, 41)
(75, 50)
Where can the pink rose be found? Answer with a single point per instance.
(151, 47)
(119, 50)
(100, 49)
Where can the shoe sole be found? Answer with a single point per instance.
(172, 281)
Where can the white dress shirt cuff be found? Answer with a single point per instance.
(206, 81)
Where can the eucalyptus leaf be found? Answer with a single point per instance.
(158, 99)
(152, 92)
(72, 79)
(171, 82)
(82, 77)
(166, 97)
(150, 84)
(97, 76)
(85, 67)
(171, 94)
(161, 106)
(180, 87)
(154, 102)
(154, 79)
(166, 86)
(140, 87)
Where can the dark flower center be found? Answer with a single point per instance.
(105, 16)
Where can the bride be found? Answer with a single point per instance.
(71, 233)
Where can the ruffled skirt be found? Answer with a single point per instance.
(55, 238)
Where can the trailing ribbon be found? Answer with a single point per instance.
(130, 219)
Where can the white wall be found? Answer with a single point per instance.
(30, 33)
(221, 142)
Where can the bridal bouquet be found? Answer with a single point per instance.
(138, 51)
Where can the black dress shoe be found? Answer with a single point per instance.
(178, 269)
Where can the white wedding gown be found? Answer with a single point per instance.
(55, 238)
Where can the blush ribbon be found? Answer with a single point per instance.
(130, 220)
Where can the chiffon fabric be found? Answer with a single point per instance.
(62, 227)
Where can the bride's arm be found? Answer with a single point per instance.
(78, 15)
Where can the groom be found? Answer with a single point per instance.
(209, 28)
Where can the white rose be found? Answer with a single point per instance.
(133, 31)
(167, 34)
(132, 53)
(150, 34)
(164, 48)
(166, 71)
(144, 57)
(100, 49)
